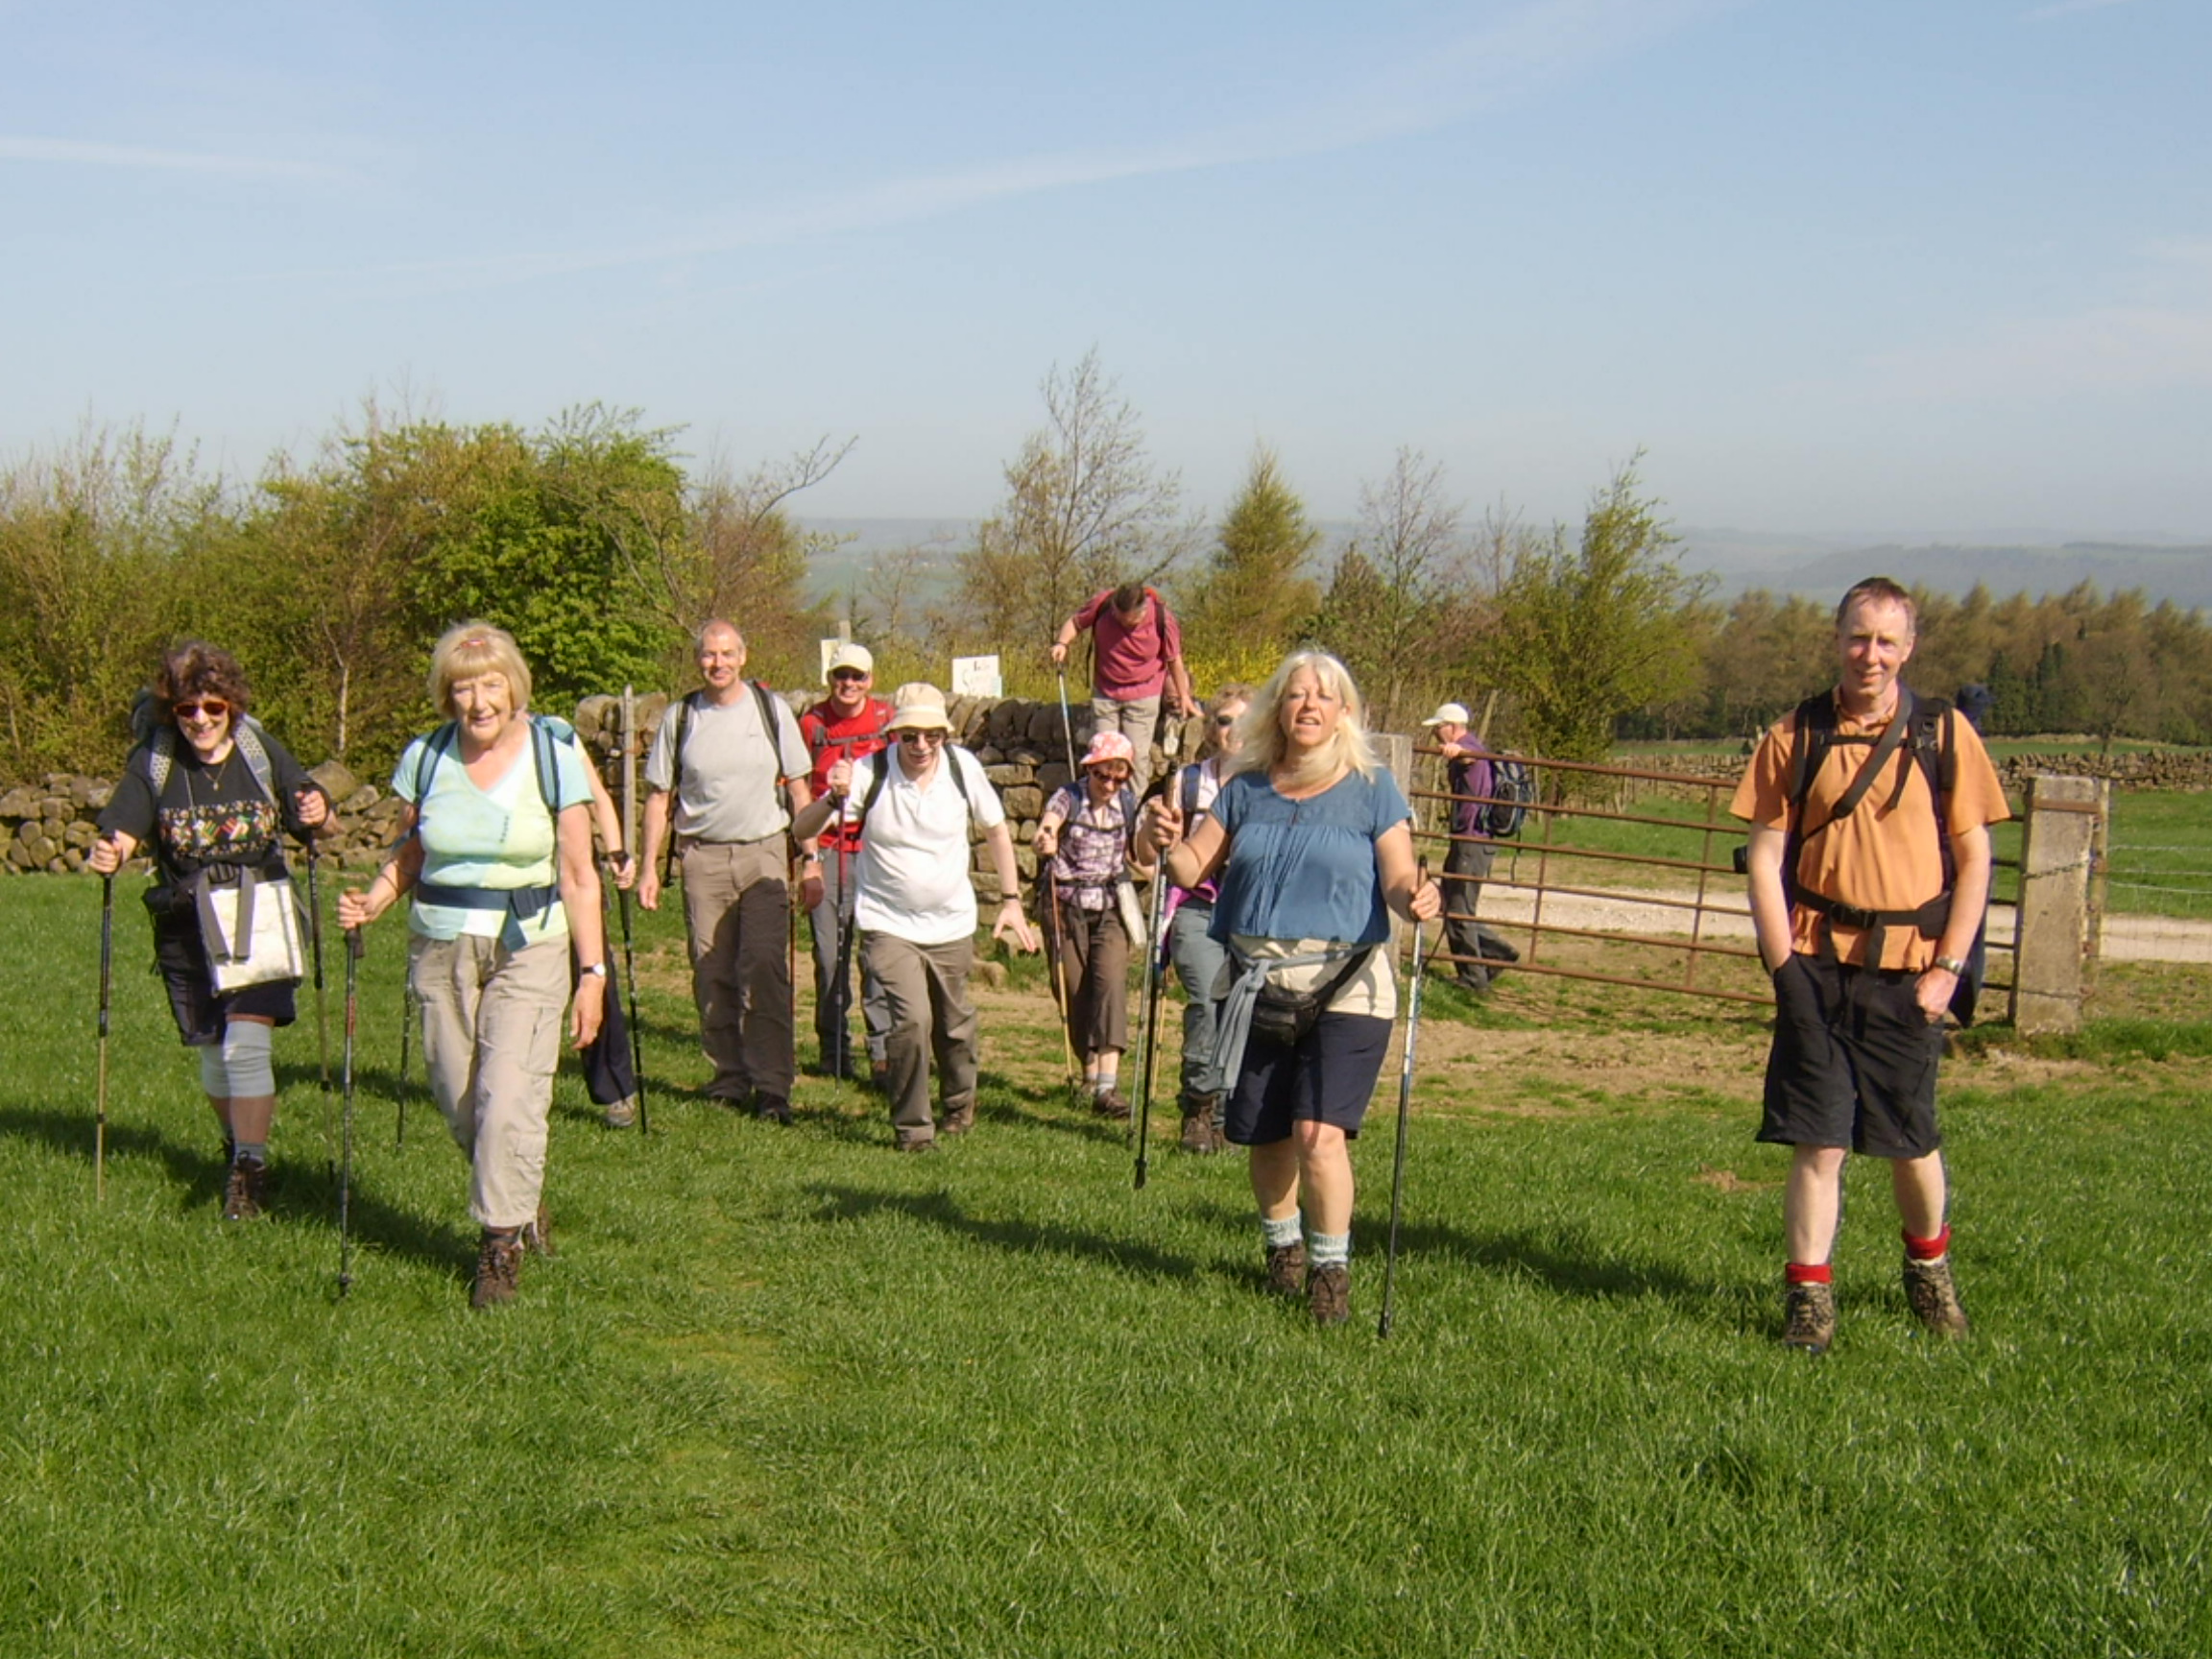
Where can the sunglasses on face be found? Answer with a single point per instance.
(852, 674)
(922, 737)
(1224, 721)
(204, 709)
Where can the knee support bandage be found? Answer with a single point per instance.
(240, 1067)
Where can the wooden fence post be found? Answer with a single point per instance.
(2057, 926)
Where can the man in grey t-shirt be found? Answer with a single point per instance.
(723, 761)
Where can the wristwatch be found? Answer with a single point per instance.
(597, 970)
(1952, 965)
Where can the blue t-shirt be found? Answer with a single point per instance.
(1306, 869)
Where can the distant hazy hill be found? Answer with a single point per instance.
(2007, 562)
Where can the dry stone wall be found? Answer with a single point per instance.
(1020, 745)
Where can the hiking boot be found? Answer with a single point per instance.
(1286, 1269)
(1329, 1294)
(1198, 1132)
(1809, 1318)
(623, 1112)
(958, 1122)
(1112, 1105)
(243, 1191)
(537, 1234)
(1934, 1299)
(498, 1268)
(929, 1144)
(772, 1109)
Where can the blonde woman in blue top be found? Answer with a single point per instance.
(497, 852)
(1310, 845)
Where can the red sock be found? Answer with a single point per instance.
(1808, 1273)
(1927, 1249)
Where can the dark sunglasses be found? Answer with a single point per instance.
(853, 674)
(916, 735)
(205, 709)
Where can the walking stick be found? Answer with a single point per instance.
(346, 1137)
(1154, 951)
(1405, 1101)
(630, 985)
(315, 951)
(107, 974)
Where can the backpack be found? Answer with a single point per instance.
(1921, 734)
(1512, 792)
(245, 733)
(442, 740)
(883, 770)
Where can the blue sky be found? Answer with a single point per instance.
(1927, 266)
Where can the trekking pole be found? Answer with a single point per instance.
(406, 1031)
(346, 1137)
(1066, 723)
(1404, 1102)
(107, 975)
(1060, 981)
(1155, 948)
(630, 986)
(315, 952)
(845, 908)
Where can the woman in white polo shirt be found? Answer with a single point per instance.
(915, 906)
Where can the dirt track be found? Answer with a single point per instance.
(2126, 938)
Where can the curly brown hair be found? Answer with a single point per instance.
(196, 668)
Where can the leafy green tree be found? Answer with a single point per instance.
(1586, 634)
(1085, 509)
(1389, 611)
(1254, 596)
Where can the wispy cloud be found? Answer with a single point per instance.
(73, 153)
(2060, 8)
(1537, 45)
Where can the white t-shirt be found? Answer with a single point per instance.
(727, 790)
(913, 865)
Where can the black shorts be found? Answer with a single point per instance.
(200, 1012)
(1327, 1077)
(1853, 1062)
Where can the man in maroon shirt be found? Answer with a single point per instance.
(846, 725)
(1137, 652)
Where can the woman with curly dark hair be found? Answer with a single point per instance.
(211, 796)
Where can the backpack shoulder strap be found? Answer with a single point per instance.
(548, 775)
(433, 751)
(1816, 731)
(683, 736)
(1192, 776)
(247, 736)
(160, 757)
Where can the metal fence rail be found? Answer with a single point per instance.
(1699, 884)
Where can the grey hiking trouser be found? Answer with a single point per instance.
(1198, 961)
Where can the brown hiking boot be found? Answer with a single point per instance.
(1329, 1294)
(1286, 1269)
(244, 1191)
(958, 1122)
(498, 1268)
(1935, 1298)
(1809, 1318)
(772, 1109)
(1200, 1133)
(623, 1114)
(537, 1234)
(1112, 1105)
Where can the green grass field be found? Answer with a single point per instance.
(784, 1392)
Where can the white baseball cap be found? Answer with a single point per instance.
(852, 656)
(1448, 714)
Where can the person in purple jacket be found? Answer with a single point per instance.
(1478, 955)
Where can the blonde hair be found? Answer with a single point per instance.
(1262, 746)
(467, 649)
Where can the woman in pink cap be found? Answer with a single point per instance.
(1085, 833)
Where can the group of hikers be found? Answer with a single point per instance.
(1275, 858)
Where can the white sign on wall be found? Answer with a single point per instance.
(977, 676)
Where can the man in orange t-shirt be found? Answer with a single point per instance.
(1866, 940)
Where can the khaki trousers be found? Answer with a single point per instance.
(737, 907)
(491, 1028)
(925, 987)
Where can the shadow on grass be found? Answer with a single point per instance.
(1564, 1260)
(939, 1210)
(302, 1186)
